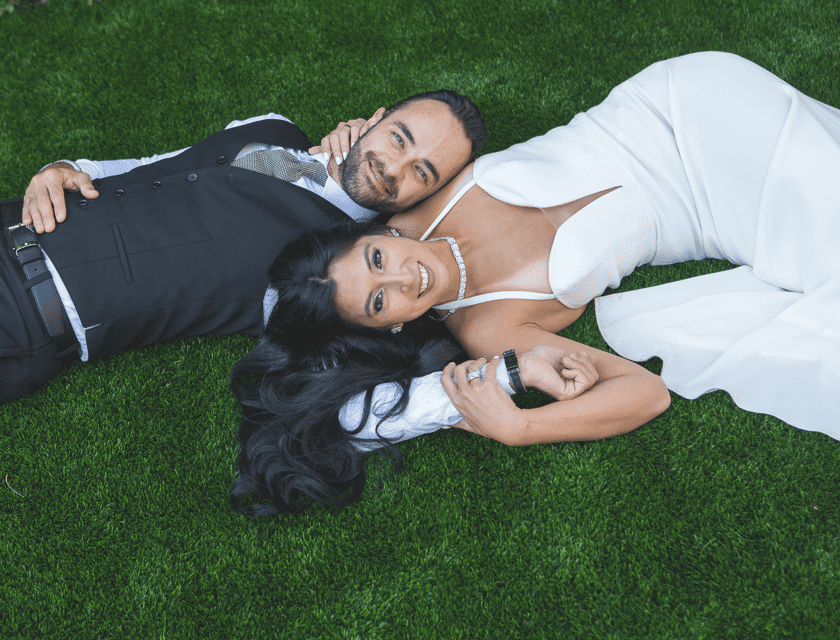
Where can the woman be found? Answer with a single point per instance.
(702, 156)
(314, 362)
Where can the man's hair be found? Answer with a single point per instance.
(462, 108)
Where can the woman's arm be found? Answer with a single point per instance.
(625, 396)
(429, 408)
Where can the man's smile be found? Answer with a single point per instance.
(377, 178)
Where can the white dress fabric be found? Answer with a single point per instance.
(716, 157)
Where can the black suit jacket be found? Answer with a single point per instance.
(182, 246)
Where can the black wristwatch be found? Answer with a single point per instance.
(513, 371)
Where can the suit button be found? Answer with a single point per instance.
(82, 202)
(192, 177)
(156, 184)
(221, 160)
(120, 193)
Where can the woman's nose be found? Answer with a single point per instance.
(401, 278)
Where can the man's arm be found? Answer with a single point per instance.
(428, 409)
(43, 202)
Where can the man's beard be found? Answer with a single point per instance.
(357, 187)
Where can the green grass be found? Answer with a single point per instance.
(709, 522)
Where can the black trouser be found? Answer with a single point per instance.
(27, 352)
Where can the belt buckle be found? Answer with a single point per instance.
(17, 248)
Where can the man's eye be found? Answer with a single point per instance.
(399, 139)
(377, 259)
(377, 302)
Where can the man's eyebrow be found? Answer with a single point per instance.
(401, 126)
(432, 169)
(367, 259)
(405, 131)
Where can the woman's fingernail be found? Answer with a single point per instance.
(495, 357)
(326, 157)
(345, 155)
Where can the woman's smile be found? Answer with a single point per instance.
(424, 279)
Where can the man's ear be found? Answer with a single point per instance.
(376, 117)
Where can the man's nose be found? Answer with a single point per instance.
(396, 165)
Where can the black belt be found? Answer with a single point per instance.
(40, 284)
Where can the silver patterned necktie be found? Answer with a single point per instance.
(282, 164)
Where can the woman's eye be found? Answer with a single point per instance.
(377, 302)
(377, 259)
(422, 174)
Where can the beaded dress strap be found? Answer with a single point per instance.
(446, 209)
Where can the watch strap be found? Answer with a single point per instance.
(512, 365)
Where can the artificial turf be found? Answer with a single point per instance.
(709, 522)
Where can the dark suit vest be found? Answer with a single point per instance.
(182, 246)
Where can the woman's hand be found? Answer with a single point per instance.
(556, 372)
(337, 144)
(485, 407)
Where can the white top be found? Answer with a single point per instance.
(331, 191)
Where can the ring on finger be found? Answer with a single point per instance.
(472, 374)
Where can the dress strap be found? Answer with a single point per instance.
(446, 209)
(496, 295)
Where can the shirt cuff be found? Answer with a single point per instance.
(70, 162)
(502, 377)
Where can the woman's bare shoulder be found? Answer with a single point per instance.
(489, 326)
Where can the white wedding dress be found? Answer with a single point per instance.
(715, 157)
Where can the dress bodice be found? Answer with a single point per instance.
(592, 250)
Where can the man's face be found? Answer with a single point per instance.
(406, 157)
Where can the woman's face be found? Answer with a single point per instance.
(384, 281)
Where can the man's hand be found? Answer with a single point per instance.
(336, 145)
(556, 372)
(485, 407)
(43, 202)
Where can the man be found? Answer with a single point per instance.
(178, 244)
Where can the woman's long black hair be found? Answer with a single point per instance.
(308, 364)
